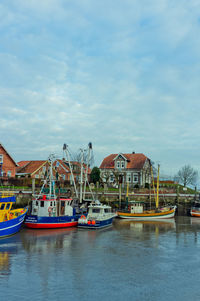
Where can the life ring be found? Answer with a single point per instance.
(83, 217)
(50, 209)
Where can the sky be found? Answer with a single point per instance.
(123, 74)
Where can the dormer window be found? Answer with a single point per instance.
(122, 164)
(118, 164)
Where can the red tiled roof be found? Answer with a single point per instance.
(22, 163)
(134, 161)
(31, 166)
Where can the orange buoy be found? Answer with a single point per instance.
(93, 222)
(89, 222)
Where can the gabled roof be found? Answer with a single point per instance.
(31, 167)
(1, 145)
(22, 163)
(134, 161)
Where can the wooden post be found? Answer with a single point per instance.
(33, 186)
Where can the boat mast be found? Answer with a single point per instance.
(127, 195)
(65, 148)
(157, 195)
(81, 181)
(86, 171)
(154, 191)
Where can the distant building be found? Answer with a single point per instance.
(7, 164)
(134, 169)
(35, 169)
(38, 169)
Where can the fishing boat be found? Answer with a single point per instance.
(10, 219)
(48, 211)
(195, 210)
(99, 216)
(135, 209)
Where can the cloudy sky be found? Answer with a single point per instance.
(123, 74)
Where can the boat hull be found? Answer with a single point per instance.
(99, 224)
(148, 216)
(12, 226)
(195, 213)
(36, 222)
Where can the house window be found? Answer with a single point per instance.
(111, 177)
(9, 173)
(63, 176)
(1, 158)
(118, 164)
(135, 178)
(41, 203)
(128, 178)
(122, 164)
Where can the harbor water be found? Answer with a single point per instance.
(157, 260)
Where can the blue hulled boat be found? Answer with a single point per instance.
(99, 216)
(10, 219)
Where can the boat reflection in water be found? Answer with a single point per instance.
(162, 224)
(45, 240)
(8, 248)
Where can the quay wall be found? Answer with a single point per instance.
(182, 201)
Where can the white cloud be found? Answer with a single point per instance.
(123, 76)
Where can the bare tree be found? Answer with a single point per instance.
(187, 175)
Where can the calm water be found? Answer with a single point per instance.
(129, 261)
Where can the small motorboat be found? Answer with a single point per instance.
(99, 216)
(10, 219)
(195, 210)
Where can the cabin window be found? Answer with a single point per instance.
(106, 210)
(2, 206)
(36, 203)
(41, 203)
(54, 203)
(96, 210)
(7, 206)
(51, 203)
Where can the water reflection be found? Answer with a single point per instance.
(132, 257)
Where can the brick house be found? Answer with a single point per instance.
(38, 169)
(134, 168)
(7, 164)
(34, 169)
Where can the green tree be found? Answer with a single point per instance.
(95, 175)
(187, 175)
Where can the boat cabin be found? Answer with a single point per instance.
(5, 207)
(46, 206)
(6, 211)
(136, 207)
(98, 209)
